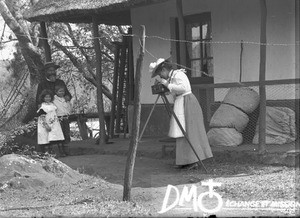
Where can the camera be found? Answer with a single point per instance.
(159, 89)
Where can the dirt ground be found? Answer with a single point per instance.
(152, 176)
(150, 181)
(147, 172)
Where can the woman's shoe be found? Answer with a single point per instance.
(178, 166)
(192, 166)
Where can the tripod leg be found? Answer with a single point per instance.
(148, 118)
(182, 130)
(168, 110)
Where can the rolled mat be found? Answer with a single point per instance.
(229, 116)
(244, 98)
(224, 137)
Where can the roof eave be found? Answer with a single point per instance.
(111, 14)
(75, 16)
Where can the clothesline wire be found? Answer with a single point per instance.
(187, 68)
(297, 43)
(191, 41)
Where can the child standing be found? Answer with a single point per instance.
(48, 127)
(63, 112)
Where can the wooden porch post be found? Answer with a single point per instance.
(102, 133)
(114, 92)
(181, 32)
(45, 41)
(121, 84)
(262, 77)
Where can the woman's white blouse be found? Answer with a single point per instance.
(179, 86)
(179, 83)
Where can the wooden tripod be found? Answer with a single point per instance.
(171, 112)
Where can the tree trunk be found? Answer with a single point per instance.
(10, 11)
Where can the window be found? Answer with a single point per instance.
(199, 50)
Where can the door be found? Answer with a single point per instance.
(199, 56)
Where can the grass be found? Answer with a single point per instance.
(88, 197)
(92, 196)
(246, 181)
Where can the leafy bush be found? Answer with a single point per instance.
(18, 140)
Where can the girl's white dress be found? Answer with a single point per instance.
(56, 134)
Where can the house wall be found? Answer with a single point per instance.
(232, 21)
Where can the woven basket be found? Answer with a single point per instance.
(242, 97)
(224, 137)
(229, 116)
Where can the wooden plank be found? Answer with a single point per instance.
(45, 41)
(262, 77)
(134, 140)
(245, 84)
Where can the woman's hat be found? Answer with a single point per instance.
(154, 65)
(48, 65)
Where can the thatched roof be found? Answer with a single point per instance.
(112, 12)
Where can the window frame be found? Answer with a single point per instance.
(202, 18)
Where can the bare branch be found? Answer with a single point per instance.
(108, 55)
(77, 63)
(71, 34)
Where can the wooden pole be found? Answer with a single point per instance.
(121, 84)
(130, 69)
(100, 107)
(241, 60)
(114, 92)
(297, 108)
(297, 60)
(136, 121)
(262, 77)
(45, 41)
(181, 25)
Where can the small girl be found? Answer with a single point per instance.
(48, 127)
(63, 111)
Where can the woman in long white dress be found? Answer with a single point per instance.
(189, 113)
(48, 127)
